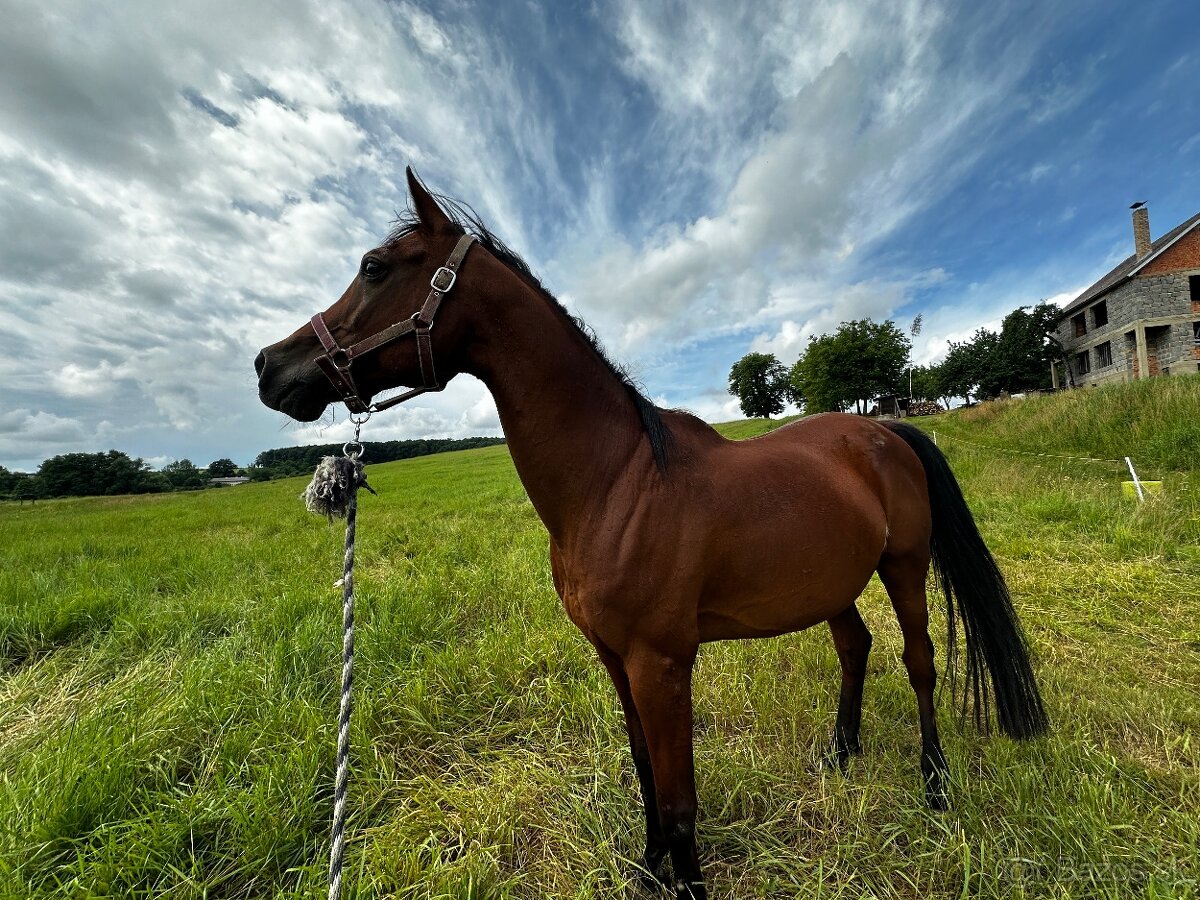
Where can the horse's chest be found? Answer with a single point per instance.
(587, 599)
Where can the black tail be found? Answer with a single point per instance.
(972, 582)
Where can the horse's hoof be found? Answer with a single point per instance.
(653, 873)
(938, 800)
(838, 756)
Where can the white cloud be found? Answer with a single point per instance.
(181, 184)
(871, 126)
(185, 184)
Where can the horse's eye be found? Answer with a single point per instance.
(372, 269)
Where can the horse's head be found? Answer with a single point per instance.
(378, 334)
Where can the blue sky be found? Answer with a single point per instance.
(183, 183)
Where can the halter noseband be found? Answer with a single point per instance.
(336, 361)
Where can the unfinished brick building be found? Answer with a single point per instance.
(1140, 320)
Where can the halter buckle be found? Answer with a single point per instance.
(439, 283)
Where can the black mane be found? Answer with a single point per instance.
(467, 220)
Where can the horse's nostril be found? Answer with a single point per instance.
(260, 363)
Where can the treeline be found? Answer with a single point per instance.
(287, 461)
(105, 474)
(1014, 360)
(864, 360)
(113, 472)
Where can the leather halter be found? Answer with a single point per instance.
(336, 361)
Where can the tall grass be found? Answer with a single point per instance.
(169, 694)
(1155, 420)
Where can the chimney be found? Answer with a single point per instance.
(1141, 229)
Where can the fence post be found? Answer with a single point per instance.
(1136, 484)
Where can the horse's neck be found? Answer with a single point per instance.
(570, 424)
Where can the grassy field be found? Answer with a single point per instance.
(170, 670)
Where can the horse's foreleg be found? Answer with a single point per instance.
(661, 685)
(853, 643)
(904, 579)
(656, 842)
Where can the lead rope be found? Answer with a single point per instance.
(332, 493)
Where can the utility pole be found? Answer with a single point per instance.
(914, 330)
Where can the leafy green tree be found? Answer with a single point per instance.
(28, 487)
(760, 383)
(985, 363)
(959, 373)
(222, 468)
(813, 377)
(93, 474)
(924, 383)
(183, 475)
(8, 481)
(1025, 349)
(158, 483)
(861, 360)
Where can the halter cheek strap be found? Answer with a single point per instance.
(335, 362)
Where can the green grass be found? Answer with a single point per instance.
(1156, 421)
(169, 687)
(749, 428)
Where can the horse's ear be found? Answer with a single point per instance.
(432, 216)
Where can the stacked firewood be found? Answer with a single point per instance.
(923, 408)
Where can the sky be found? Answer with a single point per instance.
(183, 183)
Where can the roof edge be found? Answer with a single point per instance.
(1185, 228)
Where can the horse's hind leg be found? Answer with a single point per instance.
(853, 643)
(904, 578)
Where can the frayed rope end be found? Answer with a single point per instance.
(336, 480)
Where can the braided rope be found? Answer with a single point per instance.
(333, 493)
(337, 847)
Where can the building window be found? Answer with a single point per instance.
(1080, 324)
(1196, 333)
(1100, 314)
(1104, 355)
(1194, 287)
(1083, 363)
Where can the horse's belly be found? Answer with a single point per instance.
(770, 614)
(794, 579)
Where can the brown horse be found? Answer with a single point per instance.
(663, 534)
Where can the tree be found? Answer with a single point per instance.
(222, 468)
(1026, 348)
(860, 361)
(957, 376)
(924, 383)
(183, 475)
(94, 474)
(813, 377)
(759, 381)
(984, 365)
(8, 481)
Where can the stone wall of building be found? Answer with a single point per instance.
(1178, 351)
(1124, 305)
(1171, 348)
